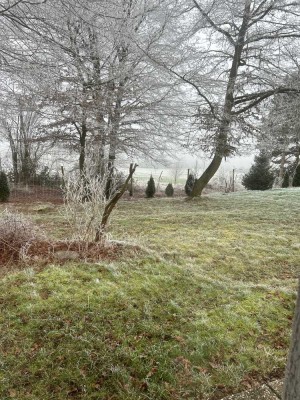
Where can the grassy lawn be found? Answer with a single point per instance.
(203, 310)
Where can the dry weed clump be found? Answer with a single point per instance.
(16, 233)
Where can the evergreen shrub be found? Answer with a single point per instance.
(260, 176)
(169, 190)
(189, 185)
(150, 189)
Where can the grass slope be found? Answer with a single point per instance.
(206, 312)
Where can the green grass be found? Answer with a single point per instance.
(203, 311)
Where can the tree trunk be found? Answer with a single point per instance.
(110, 177)
(291, 389)
(100, 147)
(15, 167)
(26, 165)
(297, 156)
(225, 122)
(82, 140)
(281, 169)
(111, 161)
(207, 175)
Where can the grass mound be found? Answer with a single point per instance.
(65, 250)
(22, 242)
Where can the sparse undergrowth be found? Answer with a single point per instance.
(207, 314)
(22, 243)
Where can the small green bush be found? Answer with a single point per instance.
(4, 188)
(296, 179)
(150, 189)
(189, 185)
(169, 190)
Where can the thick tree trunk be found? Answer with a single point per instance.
(291, 389)
(206, 176)
(225, 122)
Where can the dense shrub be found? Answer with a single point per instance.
(16, 233)
(296, 179)
(150, 189)
(260, 177)
(4, 188)
(286, 180)
(169, 190)
(189, 185)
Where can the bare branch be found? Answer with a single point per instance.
(213, 24)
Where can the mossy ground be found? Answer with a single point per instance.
(204, 312)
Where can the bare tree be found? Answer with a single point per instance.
(108, 98)
(22, 124)
(233, 56)
(19, 19)
(280, 131)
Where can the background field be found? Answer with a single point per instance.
(202, 310)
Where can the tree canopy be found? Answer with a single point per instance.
(127, 77)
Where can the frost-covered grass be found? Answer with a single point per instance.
(205, 311)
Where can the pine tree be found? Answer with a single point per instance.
(189, 185)
(260, 177)
(4, 188)
(150, 189)
(296, 179)
(169, 190)
(286, 180)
